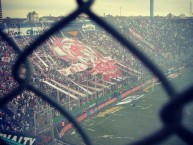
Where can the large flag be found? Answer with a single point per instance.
(57, 49)
(137, 35)
(74, 68)
(134, 33)
(72, 50)
(106, 67)
(81, 57)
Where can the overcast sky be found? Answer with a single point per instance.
(20, 8)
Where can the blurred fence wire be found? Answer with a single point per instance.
(172, 122)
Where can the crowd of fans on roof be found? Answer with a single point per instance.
(165, 36)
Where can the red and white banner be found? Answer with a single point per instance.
(74, 68)
(73, 50)
(106, 67)
(58, 51)
(81, 56)
(135, 34)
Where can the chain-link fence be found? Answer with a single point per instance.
(43, 126)
(171, 113)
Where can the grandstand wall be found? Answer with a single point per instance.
(100, 105)
(27, 29)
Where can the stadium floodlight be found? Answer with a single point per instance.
(1, 14)
(151, 8)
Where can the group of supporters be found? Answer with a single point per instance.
(160, 39)
(16, 117)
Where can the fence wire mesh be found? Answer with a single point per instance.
(171, 113)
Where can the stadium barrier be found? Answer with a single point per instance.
(97, 107)
(94, 108)
(130, 91)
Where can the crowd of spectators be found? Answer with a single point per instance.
(7, 58)
(161, 39)
(16, 117)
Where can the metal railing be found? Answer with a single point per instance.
(171, 113)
